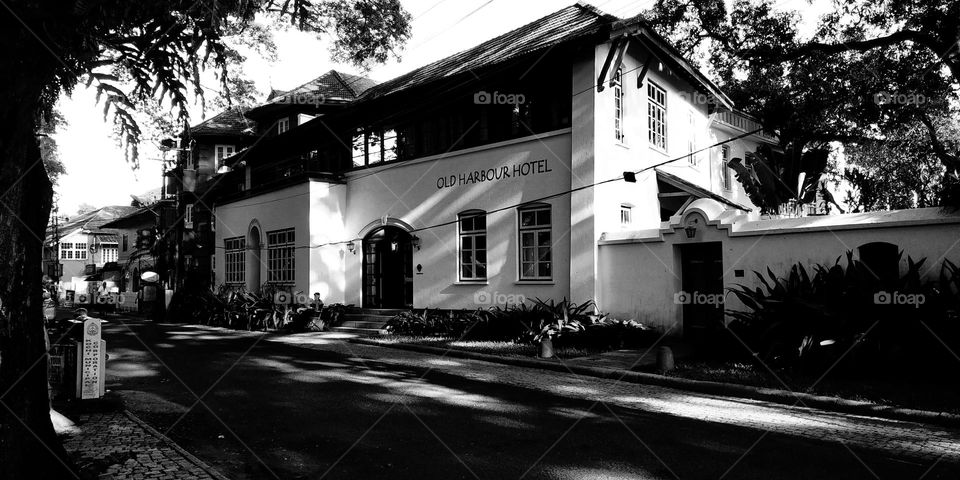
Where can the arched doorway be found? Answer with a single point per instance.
(252, 259)
(388, 269)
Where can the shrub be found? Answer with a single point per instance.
(812, 322)
(428, 323)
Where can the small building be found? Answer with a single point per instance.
(83, 248)
(133, 260)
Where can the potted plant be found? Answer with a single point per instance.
(563, 319)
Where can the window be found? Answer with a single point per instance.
(657, 115)
(691, 139)
(80, 251)
(473, 246)
(280, 256)
(188, 216)
(618, 106)
(109, 252)
(283, 125)
(233, 260)
(66, 251)
(535, 244)
(221, 152)
(125, 242)
(626, 214)
(725, 179)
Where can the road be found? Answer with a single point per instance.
(254, 407)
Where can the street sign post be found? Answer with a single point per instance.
(91, 361)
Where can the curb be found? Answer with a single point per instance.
(773, 395)
(163, 438)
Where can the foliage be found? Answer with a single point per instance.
(868, 69)
(903, 171)
(847, 313)
(453, 323)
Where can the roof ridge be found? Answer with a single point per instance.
(344, 83)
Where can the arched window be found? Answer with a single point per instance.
(472, 261)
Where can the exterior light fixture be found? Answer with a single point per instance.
(630, 177)
(394, 245)
(352, 247)
(691, 229)
(415, 241)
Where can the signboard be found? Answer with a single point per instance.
(505, 172)
(91, 361)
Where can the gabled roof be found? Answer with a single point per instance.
(228, 122)
(332, 85)
(139, 216)
(331, 88)
(567, 24)
(92, 221)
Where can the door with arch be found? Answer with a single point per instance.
(388, 269)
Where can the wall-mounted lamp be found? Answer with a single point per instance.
(415, 241)
(394, 245)
(352, 247)
(691, 229)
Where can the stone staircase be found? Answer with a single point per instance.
(366, 321)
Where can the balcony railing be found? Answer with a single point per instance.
(741, 122)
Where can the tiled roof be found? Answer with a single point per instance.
(332, 86)
(228, 122)
(93, 221)
(570, 23)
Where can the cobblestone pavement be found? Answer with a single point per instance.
(114, 446)
(891, 437)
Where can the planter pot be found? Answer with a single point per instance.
(546, 348)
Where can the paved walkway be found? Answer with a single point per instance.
(116, 445)
(891, 437)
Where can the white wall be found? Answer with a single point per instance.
(277, 210)
(409, 193)
(641, 272)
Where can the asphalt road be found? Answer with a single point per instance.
(275, 411)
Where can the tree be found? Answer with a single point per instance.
(856, 80)
(160, 48)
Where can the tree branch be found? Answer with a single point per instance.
(864, 45)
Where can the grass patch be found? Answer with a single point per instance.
(491, 347)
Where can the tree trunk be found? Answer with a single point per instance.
(29, 447)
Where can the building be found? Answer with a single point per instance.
(579, 156)
(203, 148)
(83, 248)
(132, 260)
(452, 183)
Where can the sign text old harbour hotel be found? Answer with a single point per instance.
(533, 167)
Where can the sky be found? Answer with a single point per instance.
(99, 175)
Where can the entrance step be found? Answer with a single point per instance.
(369, 332)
